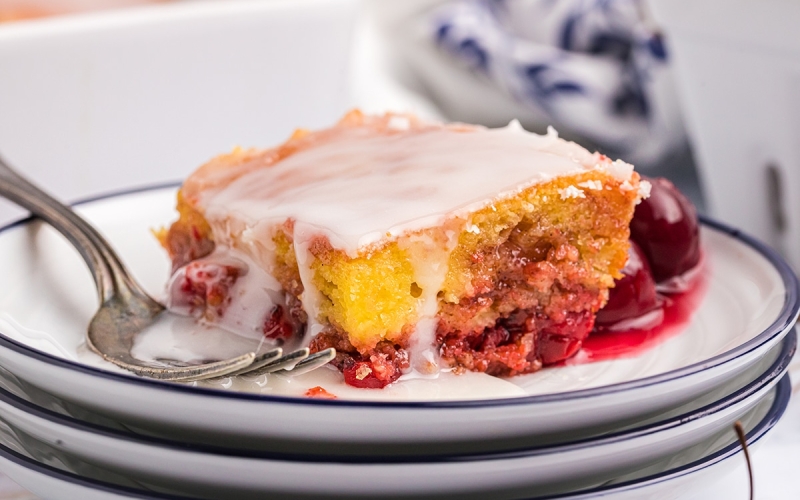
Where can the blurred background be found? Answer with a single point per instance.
(596, 70)
(706, 104)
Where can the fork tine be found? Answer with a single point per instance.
(312, 362)
(282, 362)
(264, 363)
(261, 360)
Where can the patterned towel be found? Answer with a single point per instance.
(595, 68)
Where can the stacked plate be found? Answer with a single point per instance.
(653, 423)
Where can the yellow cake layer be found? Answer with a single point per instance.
(376, 295)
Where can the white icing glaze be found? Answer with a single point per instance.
(429, 259)
(179, 338)
(365, 186)
(311, 297)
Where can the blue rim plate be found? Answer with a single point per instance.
(705, 464)
(745, 395)
(44, 479)
(211, 416)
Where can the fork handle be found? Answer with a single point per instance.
(107, 270)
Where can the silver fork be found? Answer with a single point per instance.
(126, 309)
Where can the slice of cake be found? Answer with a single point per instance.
(406, 245)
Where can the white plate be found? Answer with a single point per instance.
(48, 299)
(19, 396)
(49, 482)
(50, 472)
(684, 476)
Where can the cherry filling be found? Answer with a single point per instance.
(319, 392)
(373, 369)
(186, 243)
(664, 246)
(560, 341)
(277, 325)
(521, 343)
(203, 289)
(362, 374)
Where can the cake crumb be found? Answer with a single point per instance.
(594, 185)
(644, 189)
(320, 393)
(363, 371)
(571, 192)
(620, 170)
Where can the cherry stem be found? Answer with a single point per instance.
(743, 440)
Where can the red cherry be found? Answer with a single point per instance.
(560, 341)
(666, 229)
(553, 348)
(633, 295)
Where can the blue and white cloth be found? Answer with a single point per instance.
(593, 68)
